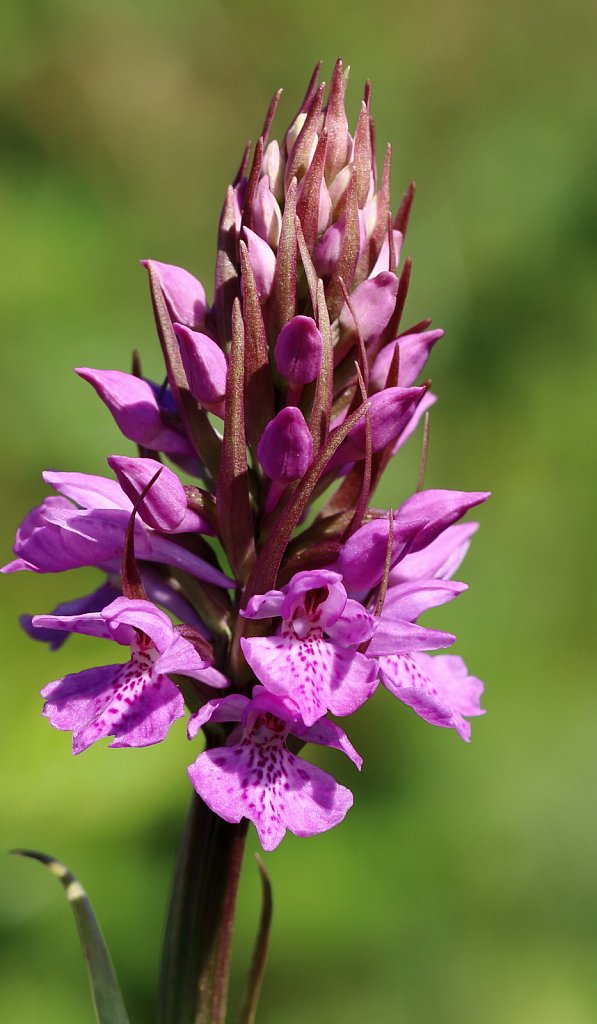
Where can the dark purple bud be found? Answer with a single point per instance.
(204, 364)
(184, 294)
(298, 350)
(285, 450)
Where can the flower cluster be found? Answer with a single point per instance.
(269, 593)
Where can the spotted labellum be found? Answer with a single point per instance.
(241, 556)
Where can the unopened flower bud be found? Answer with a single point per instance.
(285, 450)
(298, 350)
(205, 365)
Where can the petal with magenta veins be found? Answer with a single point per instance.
(55, 637)
(220, 709)
(286, 793)
(354, 626)
(314, 597)
(329, 734)
(87, 624)
(316, 675)
(122, 701)
(438, 689)
(264, 606)
(141, 615)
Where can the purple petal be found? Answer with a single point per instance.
(264, 606)
(181, 658)
(363, 557)
(399, 636)
(438, 560)
(441, 508)
(354, 626)
(184, 294)
(88, 491)
(144, 616)
(424, 405)
(316, 597)
(299, 350)
(316, 675)
(285, 449)
(389, 413)
(329, 734)
(122, 701)
(439, 689)
(165, 505)
(205, 365)
(287, 793)
(87, 624)
(373, 304)
(409, 600)
(134, 406)
(220, 709)
(413, 350)
(79, 605)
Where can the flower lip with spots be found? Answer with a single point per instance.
(135, 702)
(313, 659)
(255, 776)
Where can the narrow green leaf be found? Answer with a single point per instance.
(249, 1006)
(107, 997)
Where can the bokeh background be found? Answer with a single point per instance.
(462, 888)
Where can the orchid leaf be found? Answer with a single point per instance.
(107, 997)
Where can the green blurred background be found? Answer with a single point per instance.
(462, 888)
